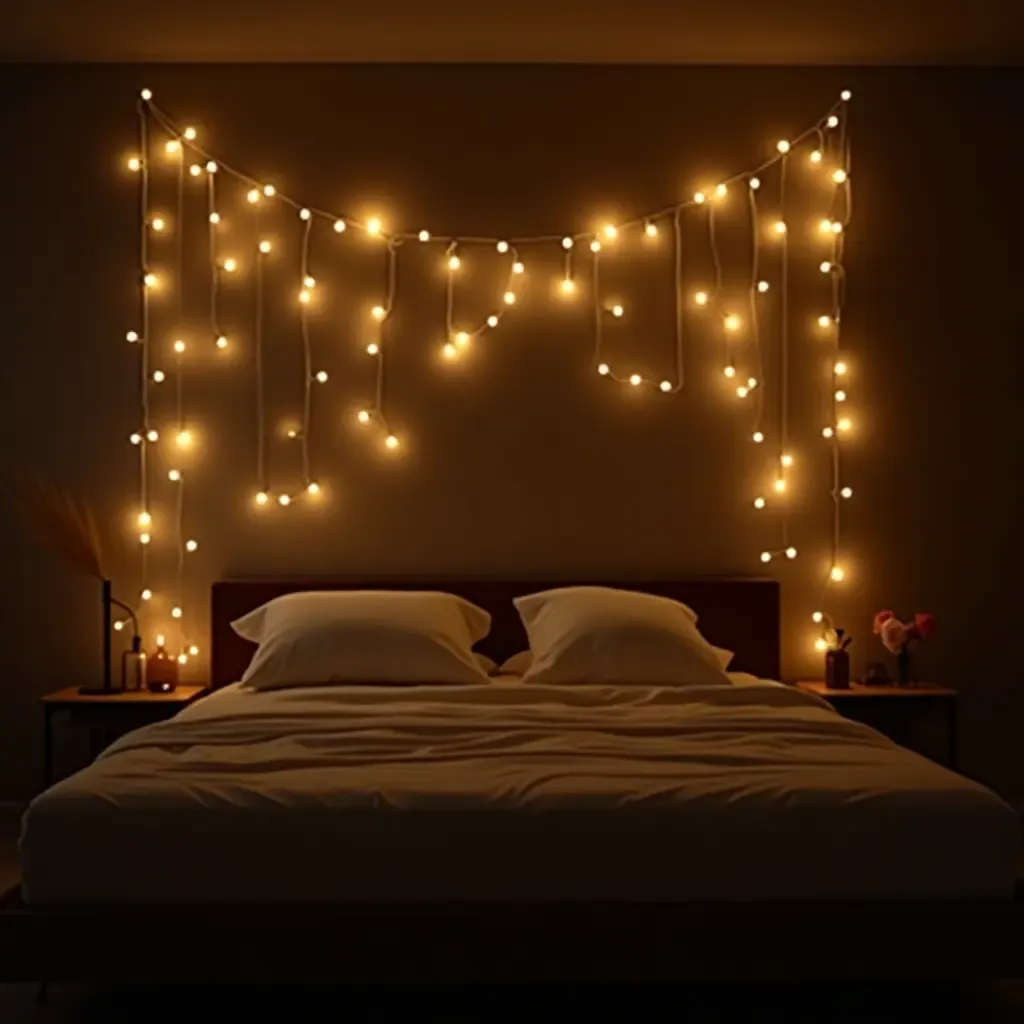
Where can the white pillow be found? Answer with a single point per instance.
(519, 664)
(363, 636)
(601, 635)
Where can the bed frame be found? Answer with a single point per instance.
(514, 942)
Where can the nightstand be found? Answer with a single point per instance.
(898, 712)
(106, 717)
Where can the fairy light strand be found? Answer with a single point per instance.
(307, 352)
(144, 339)
(783, 351)
(755, 326)
(261, 428)
(212, 220)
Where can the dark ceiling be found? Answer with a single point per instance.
(598, 31)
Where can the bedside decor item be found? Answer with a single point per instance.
(161, 670)
(66, 525)
(837, 661)
(897, 637)
(133, 665)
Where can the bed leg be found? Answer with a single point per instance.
(44, 987)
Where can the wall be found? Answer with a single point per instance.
(522, 460)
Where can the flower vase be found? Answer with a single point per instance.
(903, 667)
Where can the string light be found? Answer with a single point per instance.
(492, 321)
(265, 246)
(568, 286)
(595, 246)
(454, 262)
(363, 416)
(780, 227)
(567, 243)
(617, 311)
(839, 176)
(699, 197)
(253, 195)
(651, 230)
(174, 475)
(191, 545)
(832, 121)
(759, 502)
(146, 594)
(846, 492)
(730, 371)
(816, 156)
(603, 369)
(732, 322)
(721, 190)
(754, 183)
(230, 265)
(374, 226)
(701, 298)
(766, 556)
(262, 498)
(339, 226)
(269, 191)
(195, 170)
(518, 268)
(757, 437)
(221, 342)
(763, 286)
(391, 441)
(825, 267)
(373, 348)
(782, 146)
(211, 167)
(509, 298)
(159, 376)
(424, 236)
(791, 552)
(636, 380)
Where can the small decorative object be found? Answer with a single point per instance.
(161, 671)
(133, 664)
(837, 661)
(897, 637)
(876, 674)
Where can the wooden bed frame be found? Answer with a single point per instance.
(428, 942)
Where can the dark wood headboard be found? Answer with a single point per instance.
(741, 615)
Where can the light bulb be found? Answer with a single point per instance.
(132, 337)
(595, 246)
(604, 369)
(567, 243)
(174, 474)
(766, 556)
(840, 396)
(191, 545)
(763, 286)
(820, 644)
(845, 95)
(845, 423)
(135, 438)
(838, 574)
(145, 519)
(517, 267)
(462, 338)
(304, 296)
(721, 190)
(119, 625)
(817, 616)
(262, 498)
(179, 346)
(265, 246)
(450, 351)
(146, 94)
(222, 342)
(269, 190)
(651, 230)
(193, 650)
(211, 167)
(492, 321)
(230, 265)
(312, 487)
(836, 227)
(755, 183)
(757, 437)
(730, 371)
(146, 594)
(824, 321)
(322, 376)
(190, 134)
(159, 376)
(144, 538)
(152, 435)
(158, 224)
(568, 286)
(610, 232)
(786, 459)
(791, 552)
(378, 313)
(732, 322)
(150, 280)
(636, 380)
(825, 225)
(253, 195)
(846, 492)
(701, 298)
(373, 226)
(759, 502)
(284, 500)
(780, 486)
(391, 441)
(825, 267)
(839, 369)
(665, 385)
(832, 121)
(782, 146)
(510, 298)
(172, 147)
(195, 170)
(424, 236)
(339, 226)
(175, 612)
(780, 227)
(454, 262)
(502, 247)
(373, 348)
(827, 431)
(160, 639)
(184, 438)
(364, 416)
(699, 197)
(742, 391)
(617, 310)
(816, 156)
(214, 218)
(839, 176)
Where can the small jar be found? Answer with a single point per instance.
(161, 671)
(837, 670)
(133, 666)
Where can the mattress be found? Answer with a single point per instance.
(514, 791)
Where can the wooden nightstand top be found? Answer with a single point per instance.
(70, 697)
(861, 690)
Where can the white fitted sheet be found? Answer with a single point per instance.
(514, 791)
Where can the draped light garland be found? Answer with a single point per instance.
(830, 139)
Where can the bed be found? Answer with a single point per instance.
(690, 820)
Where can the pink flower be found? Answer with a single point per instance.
(880, 620)
(924, 623)
(894, 635)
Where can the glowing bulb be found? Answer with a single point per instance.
(152, 435)
(751, 383)
(786, 459)
(159, 376)
(517, 267)
(193, 650)
(313, 488)
(184, 438)
(665, 385)
(825, 225)
(304, 214)
(373, 226)
(160, 640)
(214, 218)
(604, 369)
(253, 195)
(391, 441)
(262, 498)
(175, 612)
(378, 313)
(827, 431)
(595, 246)
(816, 156)
(265, 246)
(757, 437)
(755, 183)
(284, 500)
(119, 625)
(759, 502)
(146, 594)
(339, 226)
(617, 311)
(838, 573)
(510, 298)
(172, 147)
(450, 351)
(839, 176)
(742, 391)
(179, 346)
(230, 265)
(730, 371)
(454, 262)
(135, 438)
(304, 296)
(824, 321)
(817, 616)
(833, 121)
(840, 396)
(195, 170)
(567, 243)
(610, 232)
(424, 236)
(462, 338)
(791, 552)
(636, 380)
(839, 369)
(701, 298)
(132, 337)
(766, 556)
(845, 423)
(211, 167)
(699, 197)
(836, 227)
(373, 348)
(846, 492)
(568, 286)
(191, 545)
(364, 416)
(780, 227)
(825, 267)
(222, 342)
(158, 224)
(845, 95)
(144, 538)
(322, 377)
(150, 280)
(492, 321)
(269, 190)
(820, 644)
(651, 230)
(145, 519)
(782, 146)
(721, 190)
(780, 486)
(174, 474)
(502, 247)
(732, 322)
(190, 134)
(146, 94)
(763, 286)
